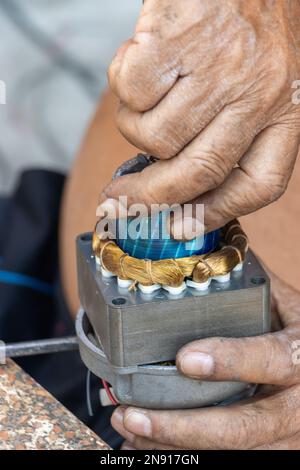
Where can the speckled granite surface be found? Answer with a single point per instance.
(30, 418)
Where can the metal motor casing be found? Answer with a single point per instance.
(153, 386)
(136, 330)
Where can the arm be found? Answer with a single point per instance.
(207, 88)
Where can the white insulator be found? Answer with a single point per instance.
(106, 274)
(149, 289)
(201, 286)
(222, 279)
(175, 290)
(124, 283)
(238, 268)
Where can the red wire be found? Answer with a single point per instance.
(109, 394)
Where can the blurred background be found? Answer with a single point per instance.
(54, 56)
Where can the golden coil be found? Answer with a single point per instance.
(172, 272)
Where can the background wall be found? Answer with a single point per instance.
(53, 59)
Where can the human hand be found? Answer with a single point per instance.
(207, 88)
(269, 420)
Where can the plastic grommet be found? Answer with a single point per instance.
(149, 289)
(238, 268)
(175, 290)
(124, 283)
(201, 286)
(106, 274)
(222, 279)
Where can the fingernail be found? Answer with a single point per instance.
(187, 228)
(197, 364)
(137, 422)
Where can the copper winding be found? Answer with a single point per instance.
(172, 272)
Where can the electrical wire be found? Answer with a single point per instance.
(22, 280)
(109, 394)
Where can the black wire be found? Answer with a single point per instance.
(43, 41)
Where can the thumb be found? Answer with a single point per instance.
(270, 359)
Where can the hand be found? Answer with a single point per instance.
(207, 88)
(270, 420)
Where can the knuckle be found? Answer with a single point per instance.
(127, 89)
(133, 94)
(272, 187)
(130, 127)
(162, 429)
(233, 434)
(209, 166)
(282, 348)
(146, 134)
(163, 140)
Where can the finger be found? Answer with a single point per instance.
(203, 165)
(140, 443)
(261, 178)
(173, 123)
(293, 443)
(243, 426)
(117, 422)
(127, 446)
(144, 69)
(267, 359)
(132, 442)
(140, 60)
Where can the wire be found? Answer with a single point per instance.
(109, 394)
(21, 280)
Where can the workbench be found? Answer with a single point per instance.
(32, 419)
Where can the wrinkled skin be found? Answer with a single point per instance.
(270, 420)
(207, 88)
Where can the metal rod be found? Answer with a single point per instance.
(44, 346)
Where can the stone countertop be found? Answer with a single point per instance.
(32, 419)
